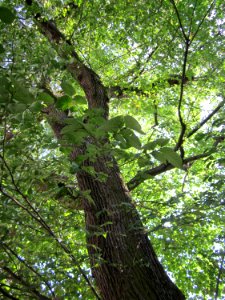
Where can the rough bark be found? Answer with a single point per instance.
(123, 261)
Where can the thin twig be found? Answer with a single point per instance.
(183, 125)
(179, 20)
(192, 17)
(28, 286)
(203, 19)
(28, 266)
(36, 215)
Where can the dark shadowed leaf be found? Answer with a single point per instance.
(6, 15)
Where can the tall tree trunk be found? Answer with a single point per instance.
(123, 261)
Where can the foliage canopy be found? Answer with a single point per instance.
(162, 63)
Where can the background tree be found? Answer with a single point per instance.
(65, 209)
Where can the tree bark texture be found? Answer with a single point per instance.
(123, 261)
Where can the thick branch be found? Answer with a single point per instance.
(142, 176)
(121, 92)
(89, 81)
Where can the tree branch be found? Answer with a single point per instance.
(204, 121)
(6, 294)
(28, 266)
(89, 81)
(143, 68)
(28, 286)
(219, 277)
(120, 92)
(192, 19)
(203, 19)
(39, 219)
(179, 19)
(183, 125)
(147, 174)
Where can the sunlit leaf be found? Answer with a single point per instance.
(68, 88)
(132, 123)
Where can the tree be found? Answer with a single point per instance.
(70, 228)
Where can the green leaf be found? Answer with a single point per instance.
(131, 139)
(143, 162)
(80, 99)
(68, 129)
(150, 146)
(172, 157)
(46, 98)
(4, 95)
(17, 107)
(158, 142)
(6, 15)
(76, 122)
(74, 168)
(87, 195)
(27, 118)
(132, 123)
(72, 135)
(159, 156)
(68, 88)
(199, 136)
(2, 50)
(162, 141)
(114, 124)
(36, 106)
(64, 102)
(121, 140)
(21, 93)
